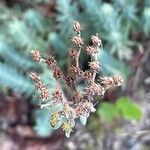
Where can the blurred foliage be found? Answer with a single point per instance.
(22, 31)
(123, 108)
(115, 22)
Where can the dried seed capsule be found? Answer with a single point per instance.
(73, 54)
(75, 71)
(94, 65)
(77, 27)
(44, 95)
(57, 74)
(39, 85)
(118, 80)
(50, 61)
(57, 95)
(36, 55)
(77, 40)
(94, 89)
(107, 82)
(91, 50)
(96, 41)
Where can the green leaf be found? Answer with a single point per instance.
(107, 111)
(83, 120)
(111, 65)
(12, 56)
(42, 126)
(35, 20)
(9, 76)
(129, 110)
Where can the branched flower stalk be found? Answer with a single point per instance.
(81, 103)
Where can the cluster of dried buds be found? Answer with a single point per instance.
(81, 103)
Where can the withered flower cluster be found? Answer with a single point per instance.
(81, 103)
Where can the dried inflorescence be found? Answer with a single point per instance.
(81, 103)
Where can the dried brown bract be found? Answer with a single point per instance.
(81, 102)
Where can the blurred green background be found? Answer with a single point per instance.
(122, 120)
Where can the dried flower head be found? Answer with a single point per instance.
(57, 95)
(77, 27)
(69, 80)
(36, 55)
(75, 71)
(107, 82)
(91, 50)
(57, 74)
(94, 65)
(77, 97)
(96, 41)
(39, 85)
(77, 40)
(73, 53)
(118, 80)
(75, 103)
(87, 75)
(50, 61)
(44, 95)
(94, 89)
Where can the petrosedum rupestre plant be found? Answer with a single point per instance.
(81, 102)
